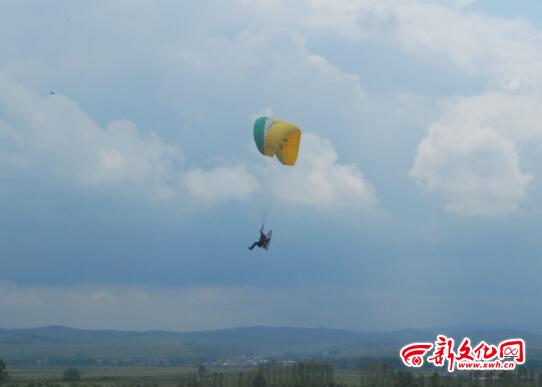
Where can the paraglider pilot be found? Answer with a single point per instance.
(264, 240)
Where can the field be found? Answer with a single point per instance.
(109, 376)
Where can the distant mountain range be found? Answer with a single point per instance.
(63, 345)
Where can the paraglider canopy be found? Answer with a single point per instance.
(277, 138)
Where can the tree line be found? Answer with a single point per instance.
(311, 374)
(314, 374)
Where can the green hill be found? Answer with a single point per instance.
(63, 345)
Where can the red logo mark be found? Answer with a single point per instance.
(412, 355)
(513, 348)
(505, 356)
(484, 351)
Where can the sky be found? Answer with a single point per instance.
(130, 185)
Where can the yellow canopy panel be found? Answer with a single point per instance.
(277, 138)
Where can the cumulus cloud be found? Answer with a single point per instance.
(220, 183)
(51, 135)
(469, 161)
(210, 79)
(472, 154)
(463, 3)
(318, 179)
(506, 51)
(262, 70)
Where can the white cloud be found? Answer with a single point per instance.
(208, 77)
(463, 3)
(268, 59)
(470, 161)
(220, 183)
(474, 161)
(53, 136)
(472, 154)
(318, 179)
(311, 15)
(515, 116)
(262, 70)
(506, 51)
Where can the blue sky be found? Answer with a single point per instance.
(129, 196)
